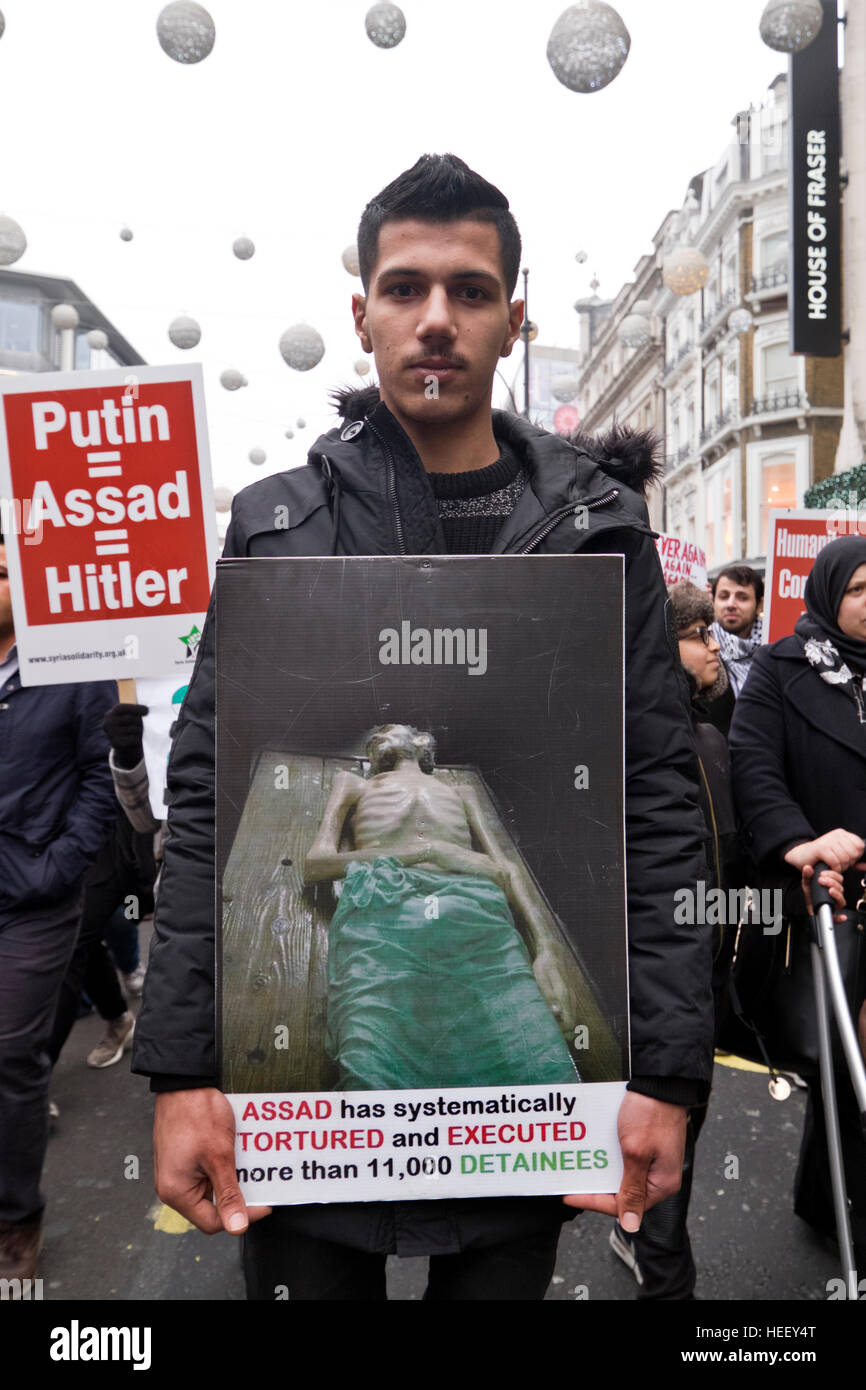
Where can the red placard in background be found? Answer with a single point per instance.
(796, 539)
(111, 475)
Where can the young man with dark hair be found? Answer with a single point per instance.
(738, 592)
(424, 466)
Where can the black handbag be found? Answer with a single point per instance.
(768, 1010)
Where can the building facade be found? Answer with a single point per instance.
(546, 366)
(29, 341)
(852, 442)
(746, 426)
(618, 384)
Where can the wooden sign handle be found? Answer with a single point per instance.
(126, 691)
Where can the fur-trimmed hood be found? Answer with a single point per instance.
(628, 456)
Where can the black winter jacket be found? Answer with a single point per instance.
(798, 754)
(364, 491)
(57, 799)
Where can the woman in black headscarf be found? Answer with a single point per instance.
(798, 758)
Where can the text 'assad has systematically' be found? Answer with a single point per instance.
(483, 1142)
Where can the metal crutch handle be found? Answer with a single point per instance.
(825, 926)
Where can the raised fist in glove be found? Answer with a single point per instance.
(124, 726)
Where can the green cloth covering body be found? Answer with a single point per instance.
(417, 999)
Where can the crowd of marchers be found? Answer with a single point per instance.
(744, 768)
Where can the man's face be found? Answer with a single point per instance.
(390, 744)
(387, 745)
(437, 318)
(6, 624)
(736, 607)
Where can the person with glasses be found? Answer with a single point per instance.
(660, 1255)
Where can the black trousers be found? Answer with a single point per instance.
(662, 1244)
(115, 876)
(280, 1264)
(35, 948)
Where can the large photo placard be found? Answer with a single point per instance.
(420, 874)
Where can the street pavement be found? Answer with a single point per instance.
(108, 1237)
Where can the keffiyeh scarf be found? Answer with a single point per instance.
(737, 652)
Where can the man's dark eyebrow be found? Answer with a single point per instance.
(404, 274)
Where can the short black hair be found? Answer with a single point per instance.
(439, 188)
(743, 575)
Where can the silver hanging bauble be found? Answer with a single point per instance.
(64, 316)
(789, 26)
(588, 46)
(302, 347)
(350, 260)
(184, 332)
(257, 456)
(222, 499)
(385, 25)
(581, 257)
(290, 434)
(185, 31)
(232, 379)
(13, 242)
(301, 423)
(635, 331)
(740, 320)
(362, 366)
(564, 388)
(97, 340)
(125, 234)
(243, 248)
(685, 270)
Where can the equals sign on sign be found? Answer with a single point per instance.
(105, 464)
(112, 542)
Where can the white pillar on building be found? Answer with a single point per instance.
(65, 320)
(852, 441)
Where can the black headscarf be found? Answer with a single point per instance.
(823, 594)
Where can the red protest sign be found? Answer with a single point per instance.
(796, 538)
(111, 481)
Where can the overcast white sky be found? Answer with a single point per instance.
(294, 121)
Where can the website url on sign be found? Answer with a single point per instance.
(77, 656)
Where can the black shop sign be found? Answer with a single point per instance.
(816, 275)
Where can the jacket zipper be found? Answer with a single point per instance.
(555, 519)
(717, 849)
(530, 545)
(392, 486)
